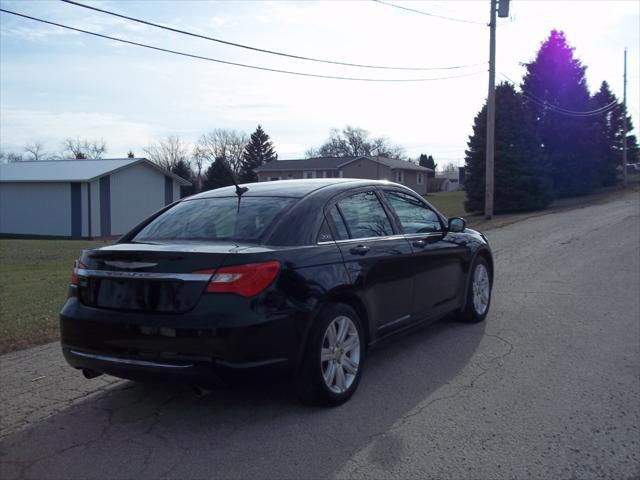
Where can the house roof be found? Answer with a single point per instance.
(334, 163)
(73, 170)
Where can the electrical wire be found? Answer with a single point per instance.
(262, 50)
(558, 109)
(244, 65)
(593, 113)
(429, 14)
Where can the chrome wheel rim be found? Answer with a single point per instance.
(340, 354)
(481, 289)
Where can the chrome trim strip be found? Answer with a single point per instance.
(386, 237)
(127, 361)
(423, 235)
(369, 239)
(185, 277)
(393, 322)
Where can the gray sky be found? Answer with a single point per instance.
(56, 83)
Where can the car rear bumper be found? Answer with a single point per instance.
(174, 347)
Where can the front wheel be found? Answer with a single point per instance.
(478, 294)
(333, 359)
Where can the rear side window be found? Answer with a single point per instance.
(365, 216)
(341, 228)
(414, 216)
(210, 219)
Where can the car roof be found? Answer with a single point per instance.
(291, 188)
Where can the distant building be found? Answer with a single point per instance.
(377, 168)
(448, 181)
(82, 198)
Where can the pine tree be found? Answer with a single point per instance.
(130, 154)
(609, 137)
(217, 175)
(555, 77)
(183, 170)
(521, 181)
(258, 151)
(427, 161)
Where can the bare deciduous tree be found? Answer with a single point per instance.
(82, 148)
(223, 144)
(167, 152)
(36, 150)
(354, 142)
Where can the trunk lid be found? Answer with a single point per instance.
(152, 278)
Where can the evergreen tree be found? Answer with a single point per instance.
(217, 175)
(609, 137)
(257, 152)
(521, 181)
(130, 154)
(427, 161)
(555, 77)
(183, 170)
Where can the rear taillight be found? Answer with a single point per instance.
(246, 280)
(77, 265)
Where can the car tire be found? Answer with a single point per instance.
(479, 290)
(333, 358)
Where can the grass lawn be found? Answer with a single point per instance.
(451, 204)
(34, 277)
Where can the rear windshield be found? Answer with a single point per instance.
(209, 219)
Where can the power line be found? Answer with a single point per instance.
(244, 65)
(559, 109)
(592, 113)
(443, 17)
(261, 50)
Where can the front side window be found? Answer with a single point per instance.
(211, 219)
(414, 216)
(365, 216)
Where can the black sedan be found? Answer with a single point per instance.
(302, 274)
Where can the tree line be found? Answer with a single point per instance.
(222, 155)
(553, 139)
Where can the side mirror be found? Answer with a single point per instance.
(456, 225)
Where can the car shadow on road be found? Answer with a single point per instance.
(142, 431)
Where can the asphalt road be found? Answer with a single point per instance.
(547, 387)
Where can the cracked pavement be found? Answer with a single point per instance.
(547, 387)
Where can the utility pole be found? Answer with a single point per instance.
(491, 116)
(624, 123)
(503, 12)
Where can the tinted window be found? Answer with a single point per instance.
(341, 228)
(215, 219)
(365, 216)
(324, 235)
(415, 216)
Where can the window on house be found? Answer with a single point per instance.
(419, 178)
(310, 174)
(399, 176)
(273, 179)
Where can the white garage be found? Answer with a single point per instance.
(82, 198)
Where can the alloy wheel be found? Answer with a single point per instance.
(340, 354)
(481, 289)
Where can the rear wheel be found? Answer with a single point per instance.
(478, 294)
(333, 358)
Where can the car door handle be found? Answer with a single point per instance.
(419, 243)
(359, 250)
